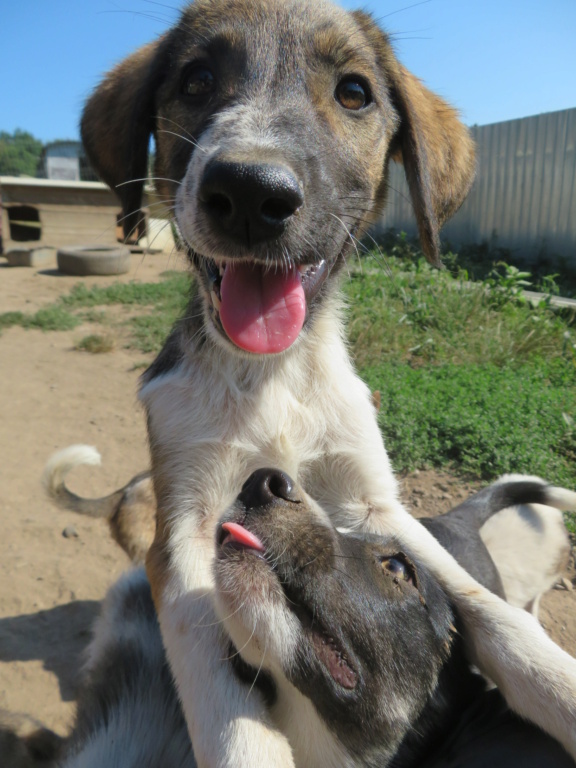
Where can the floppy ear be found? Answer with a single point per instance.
(438, 157)
(434, 146)
(116, 125)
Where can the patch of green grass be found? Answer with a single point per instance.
(167, 300)
(170, 293)
(8, 319)
(53, 318)
(472, 377)
(480, 419)
(96, 344)
(150, 331)
(408, 312)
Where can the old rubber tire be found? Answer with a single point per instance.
(94, 260)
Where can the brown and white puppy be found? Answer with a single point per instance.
(130, 511)
(377, 675)
(274, 122)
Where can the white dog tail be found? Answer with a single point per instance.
(552, 495)
(511, 491)
(55, 471)
(561, 498)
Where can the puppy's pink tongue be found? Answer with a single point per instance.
(262, 311)
(242, 536)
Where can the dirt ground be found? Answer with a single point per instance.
(51, 585)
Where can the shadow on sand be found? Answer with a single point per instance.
(57, 637)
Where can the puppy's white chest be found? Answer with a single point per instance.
(265, 426)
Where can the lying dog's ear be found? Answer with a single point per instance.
(432, 143)
(116, 125)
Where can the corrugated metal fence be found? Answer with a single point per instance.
(524, 196)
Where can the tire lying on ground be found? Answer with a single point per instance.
(94, 260)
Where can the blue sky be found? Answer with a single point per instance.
(494, 59)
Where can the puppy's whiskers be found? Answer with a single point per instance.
(239, 650)
(259, 668)
(149, 178)
(193, 142)
(222, 620)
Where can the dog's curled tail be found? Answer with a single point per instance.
(561, 498)
(528, 489)
(511, 491)
(53, 477)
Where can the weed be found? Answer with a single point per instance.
(53, 318)
(96, 344)
(95, 316)
(167, 299)
(8, 319)
(477, 260)
(548, 284)
(171, 291)
(415, 314)
(150, 331)
(506, 284)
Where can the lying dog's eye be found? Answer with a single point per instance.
(198, 81)
(399, 568)
(352, 94)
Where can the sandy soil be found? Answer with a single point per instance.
(51, 585)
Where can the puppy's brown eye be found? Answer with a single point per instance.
(352, 94)
(198, 81)
(399, 568)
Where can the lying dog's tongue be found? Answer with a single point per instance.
(262, 311)
(240, 535)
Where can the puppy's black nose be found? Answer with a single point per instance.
(249, 203)
(267, 486)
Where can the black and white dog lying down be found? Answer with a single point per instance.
(351, 642)
(510, 536)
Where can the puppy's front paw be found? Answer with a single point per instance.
(249, 743)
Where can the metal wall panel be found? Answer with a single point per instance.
(524, 196)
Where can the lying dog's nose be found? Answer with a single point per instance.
(250, 203)
(266, 486)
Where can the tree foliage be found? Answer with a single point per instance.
(19, 153)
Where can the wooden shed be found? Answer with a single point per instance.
(45, 212)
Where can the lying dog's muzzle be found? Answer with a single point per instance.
(264, 490)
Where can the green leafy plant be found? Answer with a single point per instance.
(507, 284)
